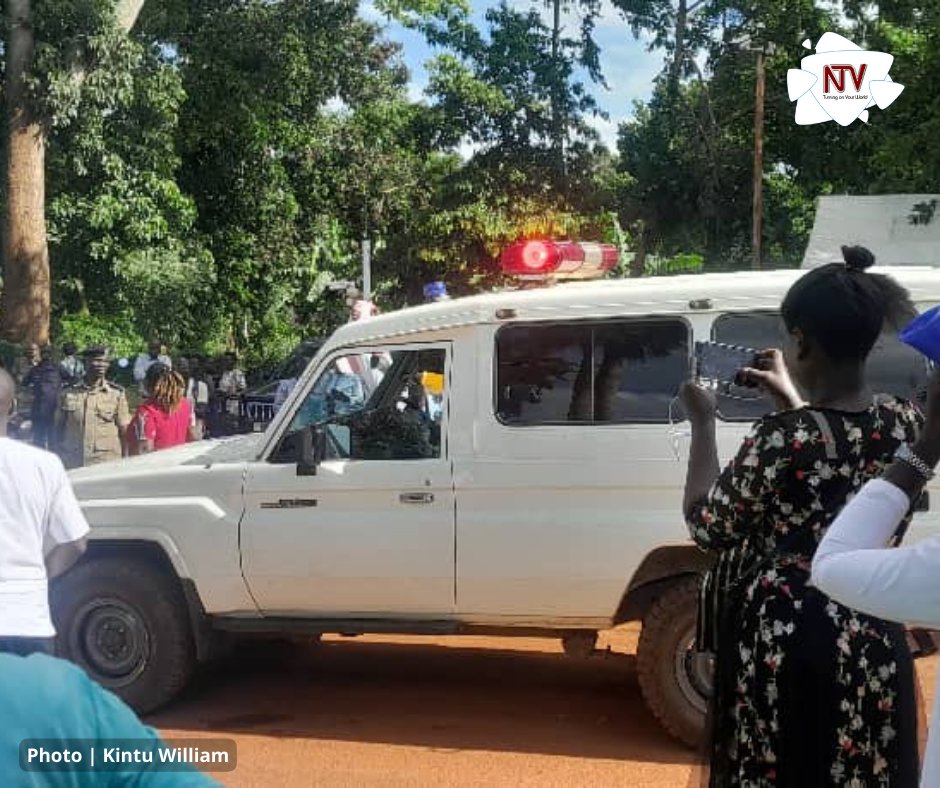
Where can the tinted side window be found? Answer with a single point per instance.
(893, 368)
(758, 330)
(542, 371)
(594, 373)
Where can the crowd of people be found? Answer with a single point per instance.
(80, 413)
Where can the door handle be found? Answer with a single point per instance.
(416, 497)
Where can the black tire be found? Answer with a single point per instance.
(675, 681)
(126, 624)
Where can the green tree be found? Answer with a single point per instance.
(54, 52)
(258, 142)
(122, 232)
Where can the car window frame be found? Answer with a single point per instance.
(327, 361)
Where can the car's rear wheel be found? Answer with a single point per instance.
(126, 624)
(675, 679)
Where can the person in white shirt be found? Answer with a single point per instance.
(232, 382)
(42, 534)
(144, 361)
(854, 565)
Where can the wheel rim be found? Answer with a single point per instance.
(695, 672)
(111, 639)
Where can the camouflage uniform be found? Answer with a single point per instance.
(390, 434)
(93, 417)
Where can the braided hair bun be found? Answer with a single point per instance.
(843, 310)
(857, 258)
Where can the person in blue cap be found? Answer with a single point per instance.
(434, 292)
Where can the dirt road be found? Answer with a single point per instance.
(383, 711)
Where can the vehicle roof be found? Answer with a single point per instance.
(737, 291)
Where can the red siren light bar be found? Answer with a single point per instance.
(535, 259)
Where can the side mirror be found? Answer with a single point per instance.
(312, 441)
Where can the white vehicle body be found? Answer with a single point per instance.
(562, 526)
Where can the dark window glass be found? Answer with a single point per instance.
(757, 330)
(596, 373)
(544, 374)
(893, 368)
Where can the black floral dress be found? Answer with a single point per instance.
(808, 692)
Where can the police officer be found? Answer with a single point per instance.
(94, 416)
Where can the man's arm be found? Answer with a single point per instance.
(122, 420)
(66, 526)
(63, 557)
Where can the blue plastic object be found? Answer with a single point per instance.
(923, 334)
(434, 290)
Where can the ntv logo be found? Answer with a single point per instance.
(822, 87)
(830, 78)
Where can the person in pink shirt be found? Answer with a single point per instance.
(166, 418)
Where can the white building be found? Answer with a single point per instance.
(900, 229)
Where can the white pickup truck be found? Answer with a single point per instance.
(510, 463)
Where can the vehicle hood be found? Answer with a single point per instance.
(238, 449)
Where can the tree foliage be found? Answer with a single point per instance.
(211, 175)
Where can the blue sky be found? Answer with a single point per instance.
(628, 67)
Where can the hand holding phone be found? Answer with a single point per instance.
(770, 373)
(721, 365)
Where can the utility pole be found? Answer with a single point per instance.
(366, 269)
(558, 139)
(758, 158)
(366, 255)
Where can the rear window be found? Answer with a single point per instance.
(610, 372)
(893, 367)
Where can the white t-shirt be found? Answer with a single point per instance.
(853, 565)
(38, 510)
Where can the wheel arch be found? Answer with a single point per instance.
(155, 556)
(661, 568)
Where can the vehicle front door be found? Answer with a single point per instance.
(371, 534)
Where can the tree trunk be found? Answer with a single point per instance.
(26, 297)
(678, 56)
(25, 305)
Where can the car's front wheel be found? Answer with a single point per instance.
(127, 625)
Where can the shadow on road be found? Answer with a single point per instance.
(435, 696)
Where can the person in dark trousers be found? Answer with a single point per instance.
(42, 534)
(807, 692)
(45, 381)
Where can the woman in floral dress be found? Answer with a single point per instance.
(807, 692)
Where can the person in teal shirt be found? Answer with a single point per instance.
(45, 698)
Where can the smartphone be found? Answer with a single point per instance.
(717, 363)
